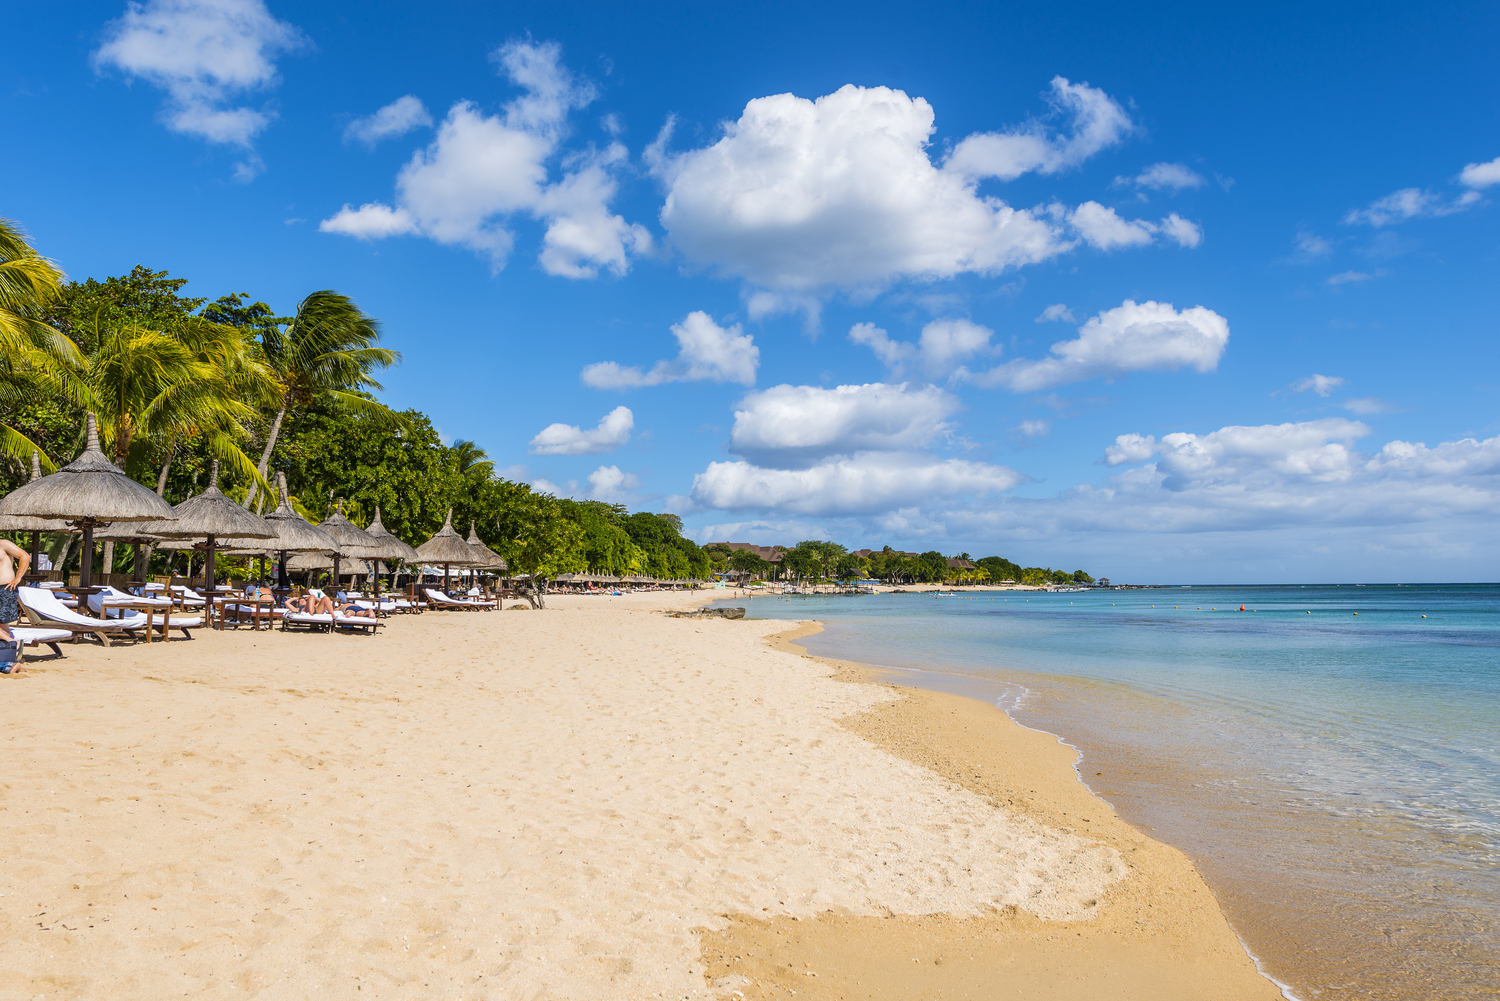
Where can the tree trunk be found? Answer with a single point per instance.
(265, 456)
(537, 593)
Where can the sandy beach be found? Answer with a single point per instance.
(594, 801)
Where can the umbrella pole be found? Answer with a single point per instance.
(335, 587)
(36, 550)
(445, 578)
(281, 581)
(208, 566)
(86, 571)
(135, 561)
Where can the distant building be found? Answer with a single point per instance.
(771, 554)
(1102, 582)
(957, 564)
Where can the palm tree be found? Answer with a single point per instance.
(473, 461)
(328, 350)
(35, 358)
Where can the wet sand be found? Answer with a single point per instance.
(595, 801)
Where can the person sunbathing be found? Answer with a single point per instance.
(355, 610)
(314, 602)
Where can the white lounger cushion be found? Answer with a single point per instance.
(45, 604)
(31, 636)
(309, 618)
(439, 598)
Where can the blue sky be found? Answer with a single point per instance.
(1168, 296)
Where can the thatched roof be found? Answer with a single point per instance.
(293, 533)
(90, 488)
(496, 561)
(447, 549)
(353, 541)
(13, 524)
(211, 513)
(391, 548)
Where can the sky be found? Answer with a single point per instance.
(1166, 293)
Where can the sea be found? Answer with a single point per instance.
(1327, 755)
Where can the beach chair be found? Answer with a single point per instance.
(46, 612)
(108, 595)
(186, 597)
(30, 636)
(437, 599)
(328, 622)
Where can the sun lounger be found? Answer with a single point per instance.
(438, 599)
(188, 598)
(325, 622)
(108, 595)
(45, 611)
(30, 636)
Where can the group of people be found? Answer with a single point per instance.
(316, 602)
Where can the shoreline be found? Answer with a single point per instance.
(595, 801)
(1159, 934)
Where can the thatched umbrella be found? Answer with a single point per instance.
(353, 541)
(36, 526)
(494, 560)
(448, 549)
(390, 549)
(294, 533)
(211, 516)
(88, 493)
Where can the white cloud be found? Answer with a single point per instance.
(707, 351)
(1104, 229)
(1410, 203)
(796, 426)
(1132, 448)
(1320, 384)
(1098, 123)
(941, 350)
(203, 53)
(1367, 406)
(1164, 176)
(800, 195)
(608, 483)
(1187, 234)
(1057, 311)
(1312, 245)
(371, 221)
(1032, 429)
(569, 439)
(864, 483)
(482, 170)
(548, 487)
(395, 119)
(1132, 337)
(1481, 175)
(1351, 277)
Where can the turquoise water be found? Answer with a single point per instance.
(1336, 777)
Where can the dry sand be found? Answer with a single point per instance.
(594, 801)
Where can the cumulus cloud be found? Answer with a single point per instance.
(569, 439)
(1132, 337)
(1098, 122)
(395, 119)
(608, 483)
(940, 351)
(1104, 229)
(204, 54)
(707, 351)
(840, 192)
(1320, 384)
(797, 426)
(1481, 175)
(483, 170)
(1164, 177)
(1130, 448)
(864, 483)
(1057, 311)
(1032, 429)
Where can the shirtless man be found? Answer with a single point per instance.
(10, 608)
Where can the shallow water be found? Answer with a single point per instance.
(1336, 777)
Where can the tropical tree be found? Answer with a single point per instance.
(328, 351)
(473, 461)
(35, 358)
(547, 543)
